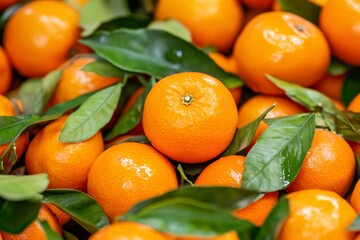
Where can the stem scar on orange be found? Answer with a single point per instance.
(190, 117)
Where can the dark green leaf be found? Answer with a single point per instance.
(183, 176)
(155, 53)
(194, 168)
(131, 118)
(130, 21)
(32, 94)
(10, 211)
(173, 27)
(18, 188)
(50, 234)
(276, 158)
(351, 86)
(81, 207)
(348, 125)
(274, 221)
(337, 67)
(355, 226)
(130, 138)
(243, 136)
(302, 8)
(104, 68)
(92, 115)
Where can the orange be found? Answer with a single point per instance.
(228, 171)
(317, 214)
(66, 164)
(5, 72)
(226, 236)
(75, 82)
(256, 105)
(128, 173)
(330, 85)
(7, 3)
(357, 237)
(51, 30)
(258, 4)
(34, 231)
(283, 45)
(190, 117)
(127, 231)
(60, 215)
(354, 105)
(339, 20)
(355, 147)
(355, 197)
(329, 165)
(208, 21)
(338, 104)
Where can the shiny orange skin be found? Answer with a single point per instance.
(258, 4)
(60, 215)
(283, 45)
(75, 82)
(317, 214)
(208, 21)
(328, 165)
(34, 231)
(228, 171)
(354, 105)
(339, 21)
(127, 231)
(330, 85)
(256, 105)
(198, 131)
(51, 30)
(128, 173)
(66, 164)
(5, 72)
(355, 197)
(7, 3)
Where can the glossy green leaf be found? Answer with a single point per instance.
(50, 233)
(276, 158)
(130, 21)
(11, 210)
(155, 53)
(303, 8)
(173, 27)
(355, 225)
(133, 116)
(272, 225)
(18, 188)
(31, 94)
(104, 68)
(243, 136)
(81, 207)
(348, 125)
(92, 115)
(337, 68)
(351, 86)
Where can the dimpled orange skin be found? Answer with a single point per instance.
(228, 171)
(354, 105)
(355, 197)
(51, 29)
(208, 21)
(66, 164)
(198, 131)
(128, 173)
(5, 72)
(317, 214)
(35, 231)
(328, 165)
(283, 45)
(330, 85)
(339, 20)
(75, 82)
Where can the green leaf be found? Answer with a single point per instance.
(183, 176)
(243, 136)
(50, 234)
(355, 225)
(302, 8)
(276, 158)
(131, 118)
(173, 27)
(351, 86)
(155, 53)
(92, 115)
(81, 207)
(49, 83)
(130, 21)
(348, 125)
(274, 221)
(337, 68)
(10, 211)
(104, 68)
(18, 188)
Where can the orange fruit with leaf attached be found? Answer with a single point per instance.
(283, 45)
(328, 152)
(51, 29)
(228, 171)
(354, 105)
(128, 173)
(330, 85)
(208, 21)
(66, 164)
(5, 72)
(35, 231)
(355, 197)
(339, 20)
(317, 214)
(75, 82)
(190, 117)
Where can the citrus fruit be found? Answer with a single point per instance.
(226, 236)
(354, 105)
(207, 20)
(355, 197)
(283, 45)
(7, 3)
(330, 85)
(190, 117)
(66, 164)
(317, 214)
(328, 152)
(5, 72)
(128, 173)
(60, 215)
